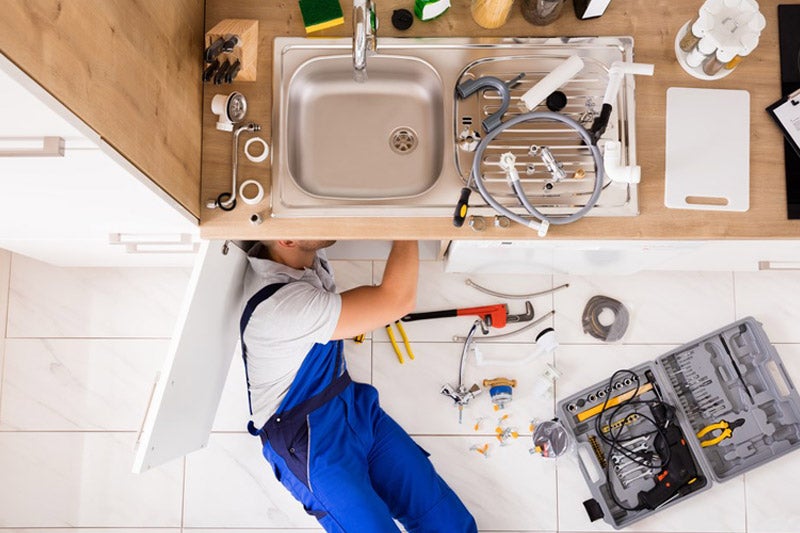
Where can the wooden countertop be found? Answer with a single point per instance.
(653, 24)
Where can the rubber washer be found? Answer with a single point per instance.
(556, 101)
(402, 19)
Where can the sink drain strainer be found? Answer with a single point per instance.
(403, 140)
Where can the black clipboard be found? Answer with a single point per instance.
(786, 113)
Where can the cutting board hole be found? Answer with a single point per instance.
(706, 200)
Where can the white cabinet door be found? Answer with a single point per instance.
(187, 394)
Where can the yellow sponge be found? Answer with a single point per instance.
(321, 14)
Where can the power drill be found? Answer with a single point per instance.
(679, 475)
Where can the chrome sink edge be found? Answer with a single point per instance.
(289, 201)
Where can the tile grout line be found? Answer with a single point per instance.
(183, 495)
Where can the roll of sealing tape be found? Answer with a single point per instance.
(256, 158)
(251, 200)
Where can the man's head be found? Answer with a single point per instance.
(305, 246)
(297, 254)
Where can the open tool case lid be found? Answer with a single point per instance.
(738, 376)
(733, 375)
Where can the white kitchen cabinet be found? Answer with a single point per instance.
(87, 207)
(620, 257)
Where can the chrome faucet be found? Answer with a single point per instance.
(365, 28)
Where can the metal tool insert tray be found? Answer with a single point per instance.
(733, 374)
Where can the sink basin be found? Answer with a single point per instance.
(394, 146)
(378, 139)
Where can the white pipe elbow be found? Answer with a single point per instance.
(615, 171)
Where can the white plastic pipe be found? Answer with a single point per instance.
(550, 83)
(545, 344)
(615, 171)
(615, 74)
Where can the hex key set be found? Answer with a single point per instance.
(653, 435)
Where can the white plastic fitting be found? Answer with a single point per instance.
(543, 384)
(552, 82)
(231, 109)
(615, 74)
(616, 172)
(546, 344)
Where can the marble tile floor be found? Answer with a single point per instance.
(81, 348)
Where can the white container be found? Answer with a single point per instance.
(736, 26)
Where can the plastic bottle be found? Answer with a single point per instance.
(714, 62)
(491, 14)
(696, 30)
(704, 48)
(542, 12)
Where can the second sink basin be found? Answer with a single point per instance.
(378, 139)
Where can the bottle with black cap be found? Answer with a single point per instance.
(590, 9)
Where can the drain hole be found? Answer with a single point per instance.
(403, 140)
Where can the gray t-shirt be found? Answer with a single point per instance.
(283, 328)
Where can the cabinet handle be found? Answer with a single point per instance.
(31, 147)
(779, 265)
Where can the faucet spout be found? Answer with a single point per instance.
(365, 26)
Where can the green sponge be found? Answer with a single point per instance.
(321, 14)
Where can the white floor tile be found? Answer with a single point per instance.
(664, 307)
(771, 298)
(230, 484)
(249, 530)
(78, 384)
(93, 530)
(584, 366)
(49, 301)
(511, 490)
(439, 290)
(410, 392)
(771, 494)
(83, 480)
(233, 413)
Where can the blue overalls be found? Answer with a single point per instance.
(345, 459)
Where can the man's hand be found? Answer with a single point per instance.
(368, 307)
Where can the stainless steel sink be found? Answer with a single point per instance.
(393, 146)
(374, 140)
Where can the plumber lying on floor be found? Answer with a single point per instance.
(326, 437)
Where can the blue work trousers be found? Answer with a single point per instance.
(355, 469)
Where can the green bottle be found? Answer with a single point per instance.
(430, 9)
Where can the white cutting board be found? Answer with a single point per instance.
(708, 149)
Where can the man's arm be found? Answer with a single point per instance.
(368, 307)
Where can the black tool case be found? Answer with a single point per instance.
(732, 376)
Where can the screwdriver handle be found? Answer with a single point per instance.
(460, 214)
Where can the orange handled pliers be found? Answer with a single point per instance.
(725, 431)
(394, 341)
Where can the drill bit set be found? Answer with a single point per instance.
(653, 435)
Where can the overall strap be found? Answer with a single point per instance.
(249, 308)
